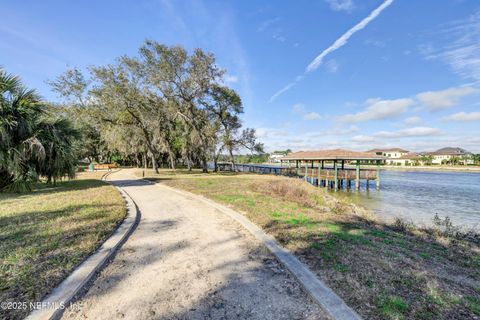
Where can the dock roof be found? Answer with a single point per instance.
(410, 155)
(333, 154)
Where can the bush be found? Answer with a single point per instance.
(444, 227)
(402, 225)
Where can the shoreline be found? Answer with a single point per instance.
(433, 168)
(475, 169)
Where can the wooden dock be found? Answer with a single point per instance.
(324, 168)
(311, 166)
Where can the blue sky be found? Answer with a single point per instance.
(387, 73)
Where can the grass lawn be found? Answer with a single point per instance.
(383, 272)
(44, 234)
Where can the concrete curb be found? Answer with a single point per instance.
(54, 304)
(317, 289)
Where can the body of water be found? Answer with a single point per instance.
(417, 196)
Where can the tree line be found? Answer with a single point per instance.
(163, 106)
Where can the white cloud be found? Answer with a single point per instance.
(312, 116)
(298, 108)
(375, 43)
(281, 91)
(335, 131)
(410, 132)
(412, 120)
(340, 42)
(363, 138)
(279, 37)
(460, 48)
(463, 116)
(341, 5)
(379, 110)
(230, 79)
(332, 66)
(443, 99)
(270, 133)
(267, 23)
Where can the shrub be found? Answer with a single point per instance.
(402, 225)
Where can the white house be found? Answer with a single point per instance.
(396, 156)
(276, 156)
(451, 155)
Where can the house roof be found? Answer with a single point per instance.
(410, 155)
(450, 151)
(388, 150)
(333, 154)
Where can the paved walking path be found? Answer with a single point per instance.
(187, 260)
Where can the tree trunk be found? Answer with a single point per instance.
(204, 165)
(154, 164)
(145, 160)
(204, 155)
(215, 160)
(233, 159)
(137, 159)
(172, 160)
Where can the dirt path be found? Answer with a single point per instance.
(186, 260)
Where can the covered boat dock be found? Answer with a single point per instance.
(334, 169)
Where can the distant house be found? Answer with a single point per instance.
(276, 156)
(395, 156)
(451, 155)
(408, 159)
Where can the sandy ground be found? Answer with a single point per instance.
(186, 260)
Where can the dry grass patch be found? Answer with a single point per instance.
(44, 234)
(381, 271)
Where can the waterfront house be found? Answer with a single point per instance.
(394, 156)
(408, 159)
(451, 155)
(276, 156)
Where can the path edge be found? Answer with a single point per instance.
(56, 302)
(315, 288)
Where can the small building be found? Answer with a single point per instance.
(408, 159)
(393, 155)
(451, 155)
(276, 156)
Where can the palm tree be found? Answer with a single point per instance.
(30, 145)
(57, 137)
(20, 111)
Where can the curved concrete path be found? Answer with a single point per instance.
(187, 260)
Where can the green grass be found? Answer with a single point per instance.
(380, 271)
(392, 307)
(44, 234)
(473, 303)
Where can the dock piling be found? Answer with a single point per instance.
(378, 176)
(335, 166)
(357, 177)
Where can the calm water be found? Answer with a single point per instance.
(417, 196)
